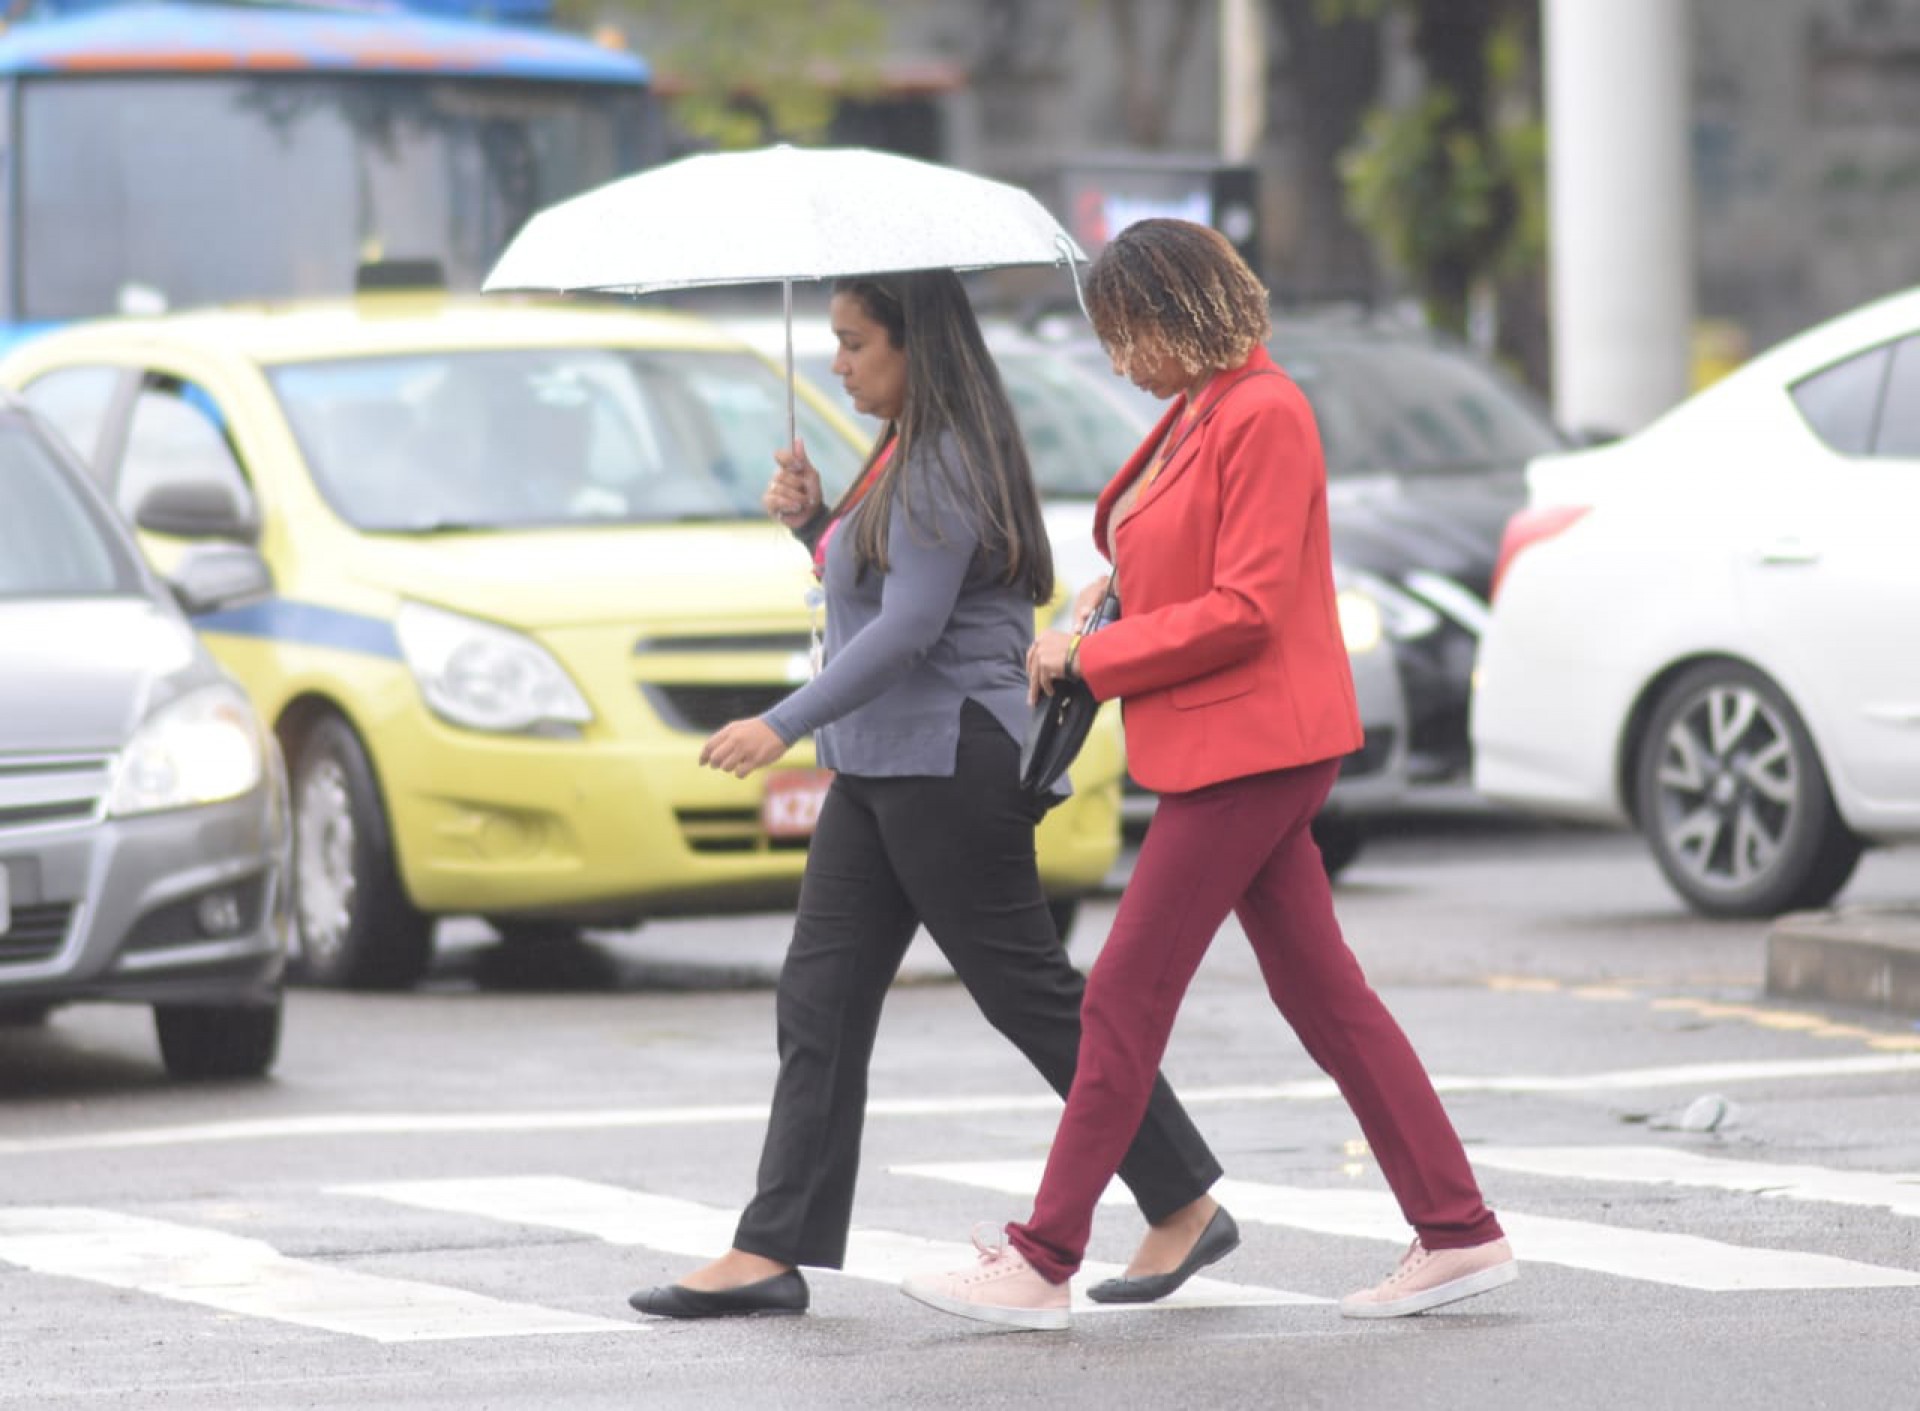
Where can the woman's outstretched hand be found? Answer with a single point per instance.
(742, 746)
(1047, 663)
(793, 495)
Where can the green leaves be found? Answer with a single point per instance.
(741, 73)
(1452, 186)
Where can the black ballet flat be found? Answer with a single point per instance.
(1216, 1242)
(783, 1293)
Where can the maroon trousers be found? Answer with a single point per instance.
(1243, 846)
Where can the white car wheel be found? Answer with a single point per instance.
(1733, 799)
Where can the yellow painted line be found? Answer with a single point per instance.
(1522, 984)
(1816, 1026)
(1788, 1019)
(1896, 1043)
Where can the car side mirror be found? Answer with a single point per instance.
(195, 509)
(210, 577)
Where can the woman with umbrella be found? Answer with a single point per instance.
(932, 565)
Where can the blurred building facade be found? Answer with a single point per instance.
(1805, 136)
(1806, 158)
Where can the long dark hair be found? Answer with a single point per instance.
(953, 387)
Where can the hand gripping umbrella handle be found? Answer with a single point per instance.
(786, 296)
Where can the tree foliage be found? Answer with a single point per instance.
(740, 73)
(1452, 185)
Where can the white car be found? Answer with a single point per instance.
(1711, 630)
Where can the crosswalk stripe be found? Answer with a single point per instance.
(1701, 1076)
(1687, 1261)
(1661, 1166)
(674, 1226)
(248, 1276)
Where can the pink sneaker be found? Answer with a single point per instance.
(1428, 1278)
(1002, 1288)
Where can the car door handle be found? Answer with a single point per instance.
(1790, 550)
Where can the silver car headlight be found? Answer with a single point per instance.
(487, 677)
(1360, 622)
(1403, 617)
(203, 748)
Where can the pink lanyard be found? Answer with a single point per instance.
(859, 494)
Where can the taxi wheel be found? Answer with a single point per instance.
(355, 926)
(218, 1040)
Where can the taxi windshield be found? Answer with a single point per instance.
(521, 438)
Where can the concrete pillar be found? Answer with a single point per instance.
(1620, 208)
(1243, 79)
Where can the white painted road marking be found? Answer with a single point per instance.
(248, 1276)
(673, 1226)
(1704, 1076)
(1684, 1260)
(1661, 1166)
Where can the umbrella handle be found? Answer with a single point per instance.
(1065, 247)
(786, 296)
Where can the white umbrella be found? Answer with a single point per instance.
(779, 214)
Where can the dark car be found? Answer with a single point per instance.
(144, 832)
(1426, 445)
(1426, 448)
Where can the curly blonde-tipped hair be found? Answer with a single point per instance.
(1179, 289)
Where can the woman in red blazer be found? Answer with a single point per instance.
(1231, 670)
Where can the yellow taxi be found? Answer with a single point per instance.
(520, 571)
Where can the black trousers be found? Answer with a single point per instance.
(955, 854)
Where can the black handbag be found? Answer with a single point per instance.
(1061, 721)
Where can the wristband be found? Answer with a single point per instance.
(1070, 669)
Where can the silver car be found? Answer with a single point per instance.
(143, 817)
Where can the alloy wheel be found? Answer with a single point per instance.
(1729, 782)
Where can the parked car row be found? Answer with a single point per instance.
(519, 569)
(481, 572)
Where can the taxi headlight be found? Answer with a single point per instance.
(487, 677)
(203, 748)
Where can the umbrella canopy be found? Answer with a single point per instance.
(779, 214)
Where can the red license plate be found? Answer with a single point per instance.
(791, 806)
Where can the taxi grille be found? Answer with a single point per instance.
(703, 709)
(735, 830)
(35, 933)
(37, 790)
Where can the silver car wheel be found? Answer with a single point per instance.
(325, 884)
(1729, 787)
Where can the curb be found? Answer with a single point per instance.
(1869, 957)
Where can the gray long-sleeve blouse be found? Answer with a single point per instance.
(905, 648)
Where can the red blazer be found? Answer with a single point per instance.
(1227, 654)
